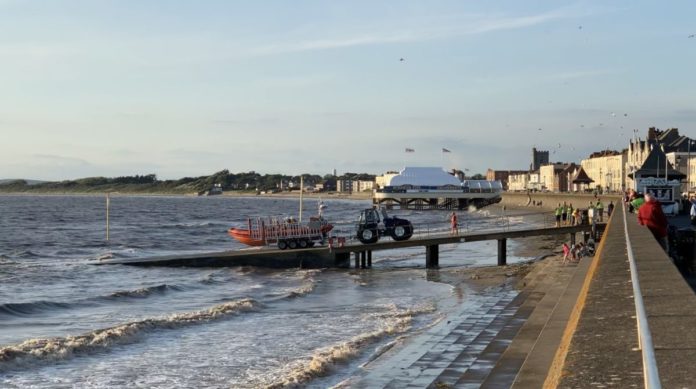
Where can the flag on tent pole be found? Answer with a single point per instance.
(408, 150)
(444, 150)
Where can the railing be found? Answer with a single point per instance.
(467, 225)
(650, 373)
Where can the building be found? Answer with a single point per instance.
(344, 186)
(607, 170)
(669, 141)
(518, 182)
(553, 177)
(539, 158)
(503, 176)
(362, 186)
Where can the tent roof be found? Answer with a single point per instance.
(423, 176)
(581, 177)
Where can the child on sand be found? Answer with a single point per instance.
(566, 252)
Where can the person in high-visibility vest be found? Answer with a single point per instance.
(591, 213)
(571, 216)
(600, 209)
(559, 210)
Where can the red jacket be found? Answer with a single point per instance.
(650, 214)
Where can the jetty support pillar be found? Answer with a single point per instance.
(572, 239)
(502, 252)
(357, 259)
(369, 258)
(363, 260)
(432, 256)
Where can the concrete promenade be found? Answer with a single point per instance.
(572, 326)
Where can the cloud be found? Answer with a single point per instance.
(418, 31)
(60, 161)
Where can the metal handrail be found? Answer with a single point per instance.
(650, 373)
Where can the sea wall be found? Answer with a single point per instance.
(551, 200)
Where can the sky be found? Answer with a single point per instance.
(188, 88)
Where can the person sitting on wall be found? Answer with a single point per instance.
(692, 212)
(650, 215)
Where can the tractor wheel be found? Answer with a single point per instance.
(303, 243)
(292, 244)
(368, 235)
(402, 232)
(282, 244)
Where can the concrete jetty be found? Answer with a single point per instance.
(341, 256)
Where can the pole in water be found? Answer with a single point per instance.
(107, 216)
(301, 190)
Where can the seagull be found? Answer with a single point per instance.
(540, 129)
(613, 114)
(579, 27)
(625, 115)
(692, 36)
(401, 60)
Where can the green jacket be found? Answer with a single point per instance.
(637, 202)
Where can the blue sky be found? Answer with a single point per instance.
(184, 88)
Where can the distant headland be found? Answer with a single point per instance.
(246, 183)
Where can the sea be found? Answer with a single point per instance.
(67, 323)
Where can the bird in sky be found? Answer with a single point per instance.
(692, 36)
(579, 27)
(401, 60)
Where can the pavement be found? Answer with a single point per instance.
(488, 347)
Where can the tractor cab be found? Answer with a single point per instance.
(374, 223)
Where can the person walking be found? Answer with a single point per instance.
(454, 225)
(650, 215)
(566, 252)
(610, 209)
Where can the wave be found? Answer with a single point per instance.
(297, 374)
(144, 292)
(22, 254)
(26, 309)
(35, 307)
(36, 351)
(188, 225)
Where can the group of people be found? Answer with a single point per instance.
(566, 215)
(575, 252)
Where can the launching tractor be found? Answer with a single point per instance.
(375, 223)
